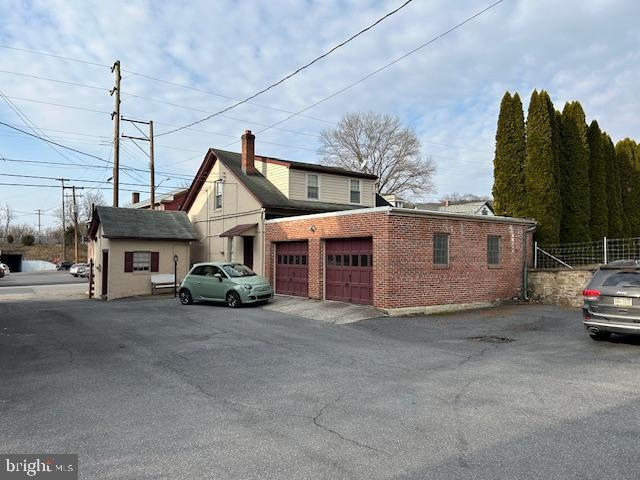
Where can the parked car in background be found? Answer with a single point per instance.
(229, 282)
(83, 270)
(63, 266)
(78, 269)
(73, 269)
(1, 273)
(5, 268)
(612, 300)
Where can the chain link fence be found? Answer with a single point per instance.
(570, 255)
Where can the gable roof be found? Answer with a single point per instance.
(469, 208)
(161, 198)
(262, 189)
(133, 223)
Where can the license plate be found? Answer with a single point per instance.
(622, 302)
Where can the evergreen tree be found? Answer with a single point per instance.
(540, 170)
(508, 163)
(574, 168)
(617, 223)
(597, 178)
(627, 155)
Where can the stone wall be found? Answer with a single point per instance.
(559, 287)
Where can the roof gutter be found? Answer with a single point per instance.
(525, 263)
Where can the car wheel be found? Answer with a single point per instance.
(185, 297)
(599, 336)
(233, 300)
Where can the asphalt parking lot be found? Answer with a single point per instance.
(150, 389)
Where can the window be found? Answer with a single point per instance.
(304, 259)
(355, 191)
(330, 260)
(441, 249)
(354, 260)
(141, 261)
(493, 250)
(280, 259)
(218, 201)
(364, 260)
(313, 187)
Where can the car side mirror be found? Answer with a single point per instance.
(218, 276)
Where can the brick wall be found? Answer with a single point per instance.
(404, 274)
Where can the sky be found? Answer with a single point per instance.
(221, 51)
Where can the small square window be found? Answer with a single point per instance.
(339, 260)
(285, 260)
(297, 259)
(441, 249)
(290, 259)
(313, 187)
(345, 260)
(354, 260)
(141, 261)
(304, 259)
(364, 260)
(330, 260)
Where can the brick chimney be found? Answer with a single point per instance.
(135, 197)
(248, 153)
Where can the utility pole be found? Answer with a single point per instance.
(39, 212)
(152, 178)
(147, 138)
(75, 223)
(116, 132)
(64, 225)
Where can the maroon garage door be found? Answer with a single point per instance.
(292, 274)
(349, 272)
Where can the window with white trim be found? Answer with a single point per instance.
(218, 194)
(141, 261)
(354, 191)
(313, 187)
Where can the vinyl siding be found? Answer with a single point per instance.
(333, 188)
(278, 175)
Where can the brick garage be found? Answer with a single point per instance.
(405, 276)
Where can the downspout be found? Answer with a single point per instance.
(525, 264)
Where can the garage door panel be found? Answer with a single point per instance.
(348, 270)
(292, 274)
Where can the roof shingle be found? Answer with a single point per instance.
(135, 223)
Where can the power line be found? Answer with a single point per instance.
(42, 177)
(54, 143)
(42, 185)
(55, 80)
(287, 77)
(52, 55)
(384, 67)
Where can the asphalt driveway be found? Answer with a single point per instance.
(151, 389)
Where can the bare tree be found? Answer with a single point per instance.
(90, 199)
(377, 143)
(466, 197)
(6, 216)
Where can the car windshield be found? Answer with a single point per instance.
(238, 270)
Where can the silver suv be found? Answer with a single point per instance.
(612, 300)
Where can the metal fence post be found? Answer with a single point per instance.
(605, 250)
(535, 254)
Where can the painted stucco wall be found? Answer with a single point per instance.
(239, 207)
(333, 188)
(127, 284)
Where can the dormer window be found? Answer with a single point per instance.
(313, 187)
(354, 194)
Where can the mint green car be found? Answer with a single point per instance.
(229, 282)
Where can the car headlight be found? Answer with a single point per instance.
(247, 286)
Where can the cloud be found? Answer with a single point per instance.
(449, 92)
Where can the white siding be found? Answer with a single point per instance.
(333, 188)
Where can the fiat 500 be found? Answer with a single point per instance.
(232, 283)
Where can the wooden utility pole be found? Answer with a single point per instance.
(147, 138)
(75, 223)
(152, 168)
(39, 212)
(116, 132)
(64, 225)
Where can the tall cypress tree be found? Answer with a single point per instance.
(617, 223)
(597, 179)
(508, 163)
(540, 170)
(627, 155)
(574, 167)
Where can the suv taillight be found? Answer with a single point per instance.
(591, 295)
